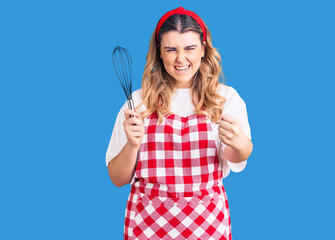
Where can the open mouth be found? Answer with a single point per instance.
(182, 69)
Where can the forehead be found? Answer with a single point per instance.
(175, 38)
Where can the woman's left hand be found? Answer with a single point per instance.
(231, 133)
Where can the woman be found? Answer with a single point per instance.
(187, 132)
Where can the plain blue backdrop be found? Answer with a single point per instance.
(59, 98)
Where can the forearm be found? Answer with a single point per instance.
(121, 167)
(240, 154)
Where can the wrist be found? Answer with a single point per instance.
(243, 144)
(133, 147)
(245, 148)
(240, 152)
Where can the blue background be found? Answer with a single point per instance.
(59, 98)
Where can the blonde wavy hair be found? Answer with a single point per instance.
(158, 85)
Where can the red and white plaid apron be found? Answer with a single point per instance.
(177, 190)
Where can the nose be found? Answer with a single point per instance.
(181, 57)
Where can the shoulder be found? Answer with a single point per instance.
(137, 95)
(226, 92)
(138, 98)
(233, 99)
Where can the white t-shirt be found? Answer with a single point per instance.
(181, 104)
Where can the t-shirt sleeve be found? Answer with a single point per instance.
(236, 107)
(118, 138)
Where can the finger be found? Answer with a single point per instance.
(136, 134)
(226, 125)
(225, 133)
(228, 118)
(221, 131)
(133, 121)
(135, 128)
(128, 113)
(224, 139)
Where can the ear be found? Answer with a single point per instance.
(203, 49)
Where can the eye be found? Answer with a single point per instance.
(190, 48)
(170, 49)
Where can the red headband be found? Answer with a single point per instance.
(182, 11)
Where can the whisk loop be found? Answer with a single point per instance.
(123, 66)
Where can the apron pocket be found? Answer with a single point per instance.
(167, 218)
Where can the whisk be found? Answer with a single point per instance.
(123, 66)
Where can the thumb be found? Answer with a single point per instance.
(138, 112)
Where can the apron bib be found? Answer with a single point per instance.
(177, 190)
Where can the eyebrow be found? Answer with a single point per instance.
(185, 47)
(191, 46)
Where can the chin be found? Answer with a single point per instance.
(184, 83)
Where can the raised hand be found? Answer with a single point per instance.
(231, 133)
(133, 127)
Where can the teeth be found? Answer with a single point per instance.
(182, 69)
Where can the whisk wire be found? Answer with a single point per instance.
(123, 68)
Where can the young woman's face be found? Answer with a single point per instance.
(181, 54)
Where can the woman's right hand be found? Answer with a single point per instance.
(134, 128)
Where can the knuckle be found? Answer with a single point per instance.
(235, 128)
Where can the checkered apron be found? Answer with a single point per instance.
(177, 190)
